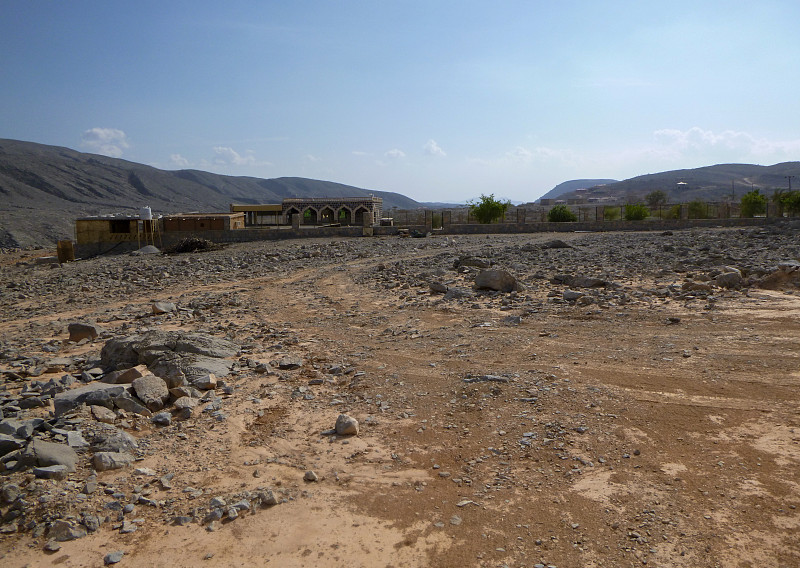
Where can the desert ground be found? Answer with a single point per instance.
(633, 400)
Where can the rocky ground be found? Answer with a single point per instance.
(604, 399)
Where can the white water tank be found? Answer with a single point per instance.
(145, 213)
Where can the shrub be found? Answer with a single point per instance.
(636, 212)
(674, 212)
(561, 214)
(753, 203)
(698, 210)
(610, 213)
(488, 209)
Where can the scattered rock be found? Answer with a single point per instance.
(346, 425)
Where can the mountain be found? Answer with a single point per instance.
(44, 188)
(710, 183)
(572, 185)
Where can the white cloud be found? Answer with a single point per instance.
(178, 160)
(312, 158)
(107, 141)
(433, 149)
(229, 157)
(736, 145)
(395, 154)
(360, 153)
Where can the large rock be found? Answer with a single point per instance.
(499, 280)
(129, 403)
(152, 391)
(104, 461)
(67, 400)
(346, 425)
(172, 355)
(9, 444)
(43, 454)
(63, 531)
(79, 331)
(112, 439)
(732, 279)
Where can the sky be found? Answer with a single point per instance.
(437, 100)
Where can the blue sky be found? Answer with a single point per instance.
(440, 101)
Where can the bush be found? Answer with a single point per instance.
(561, 214)
(698, 210)
(753, 203)
(674, 212)
(488, 209)
(636, 212)
(192, 244)
(610, 213)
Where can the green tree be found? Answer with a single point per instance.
(610, 213)
(561, 214)
(656, 198)
(487, 209)
(753, 203)
(636, 212)
(698, 209)
(790, 202)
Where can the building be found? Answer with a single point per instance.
(358, 211)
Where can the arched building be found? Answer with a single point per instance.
(358, 211)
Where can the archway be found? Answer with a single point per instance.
(326, 216)
(359, 215)
(345, 216)
(309, 216)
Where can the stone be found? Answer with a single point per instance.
(185, 402)
(104, 461)
(310, 476)
(162, 418)
(188, 391)
(289, 362)
(57, 472)
(103, 414)
(126, 376)
(43, 454)
(129, 403)
(67, 400)
(732, 280)
(62, 531)
(346, 425)
(555, 244)
(79, 331)
(437, 287)
(471, 261)
(571, 295)
(9, 493)
(114, 440)
(206, 382)
(164, 308)
(499, 280)
(152, 391)
(9, 444)
(113, 557)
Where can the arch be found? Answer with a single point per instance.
(310, 216)
(345, 216)
(358, 216)
(326, 216)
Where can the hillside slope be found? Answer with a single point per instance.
(44, 188)
(710, 183)
(572, 185)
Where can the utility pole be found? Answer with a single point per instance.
(790, 181)
(733, 192)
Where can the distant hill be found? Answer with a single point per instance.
(44, 188)
(574, 184)
(710, 183)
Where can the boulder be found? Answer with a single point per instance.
(43, 454)
(346, 425)
(112, 439)
(164, 308)
(126, 376)
(499, 280)
(129, 403)
(67, 400)
(79, 331)
(104, 461)
(152, 391)
(63, 531)
(731, 279)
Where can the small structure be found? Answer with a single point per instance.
(199, 222)
(116, 229)
(260, 215)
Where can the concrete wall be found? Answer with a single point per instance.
(87, 250)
